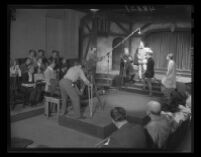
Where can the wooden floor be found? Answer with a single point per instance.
(48, 132)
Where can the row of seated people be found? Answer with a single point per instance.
(37, 69)
(160, 132)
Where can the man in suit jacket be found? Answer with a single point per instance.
(128, 135)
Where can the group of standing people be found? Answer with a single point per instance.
(143, 66)
(143, 61)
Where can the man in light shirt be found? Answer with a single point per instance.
(49, 74)
(68, 88)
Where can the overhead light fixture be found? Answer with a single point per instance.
(94, 10)
(139, 32)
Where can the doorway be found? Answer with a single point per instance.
(116, 53)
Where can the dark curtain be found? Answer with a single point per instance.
(178, 43)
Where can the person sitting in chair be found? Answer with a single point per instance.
(128, 135)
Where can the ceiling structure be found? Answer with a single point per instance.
(138, 12)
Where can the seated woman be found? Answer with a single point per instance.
(177, 112)
(37, 93)
(27, 78)
(15, 69)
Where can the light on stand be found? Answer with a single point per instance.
(139, 31)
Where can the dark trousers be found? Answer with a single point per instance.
(27, 95)
(67, 90)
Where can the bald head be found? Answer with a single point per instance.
(154, 107)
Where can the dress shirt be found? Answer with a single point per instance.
(74, 73)
(49, 74)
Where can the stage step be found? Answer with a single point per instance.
(99, 126)
(155, 87)
(35, 111)
(109, 76)
(140, 91)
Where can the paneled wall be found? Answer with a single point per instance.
(46, 29)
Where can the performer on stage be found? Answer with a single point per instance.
(126, 68)
(142, 61)
(169, 81)
(149, 73)
(68, 88)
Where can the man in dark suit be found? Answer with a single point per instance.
(128, 135)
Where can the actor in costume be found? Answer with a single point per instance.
(142, 61)
(126, 67)
(169, 81)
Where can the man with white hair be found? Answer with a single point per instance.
(159, 126)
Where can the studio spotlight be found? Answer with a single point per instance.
(139, 31)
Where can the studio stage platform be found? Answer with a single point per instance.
(101, 125)
(28, 112)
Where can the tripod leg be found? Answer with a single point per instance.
(91, 101)
(98, 97)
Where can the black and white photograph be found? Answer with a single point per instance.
(101, 77)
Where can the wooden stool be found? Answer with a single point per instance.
(49, 101)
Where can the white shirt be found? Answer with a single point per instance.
(15, 70)
(74, 73)
(49, 74)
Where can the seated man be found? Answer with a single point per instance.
(27, 78)
(159, 127)
(128, 135)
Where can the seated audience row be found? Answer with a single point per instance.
(37, 68)
(158, 129)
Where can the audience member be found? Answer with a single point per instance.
(26, 70)
(33, 57)
(177, 112)
(41, 54)
(159, 127)
(15, 69)
(128, 135)
(27, 78)
(56, 57)
(41, 65)
(49, 75)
